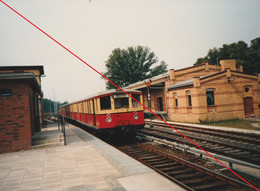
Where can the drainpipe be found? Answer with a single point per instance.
(166, 105)
(36, 112)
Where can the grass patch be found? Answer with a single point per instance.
(235, 123)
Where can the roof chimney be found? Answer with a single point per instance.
(240, 68)
(172, 74)
(196, 82)
(206, 66)
(225, 64)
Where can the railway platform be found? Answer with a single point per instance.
(85, 163)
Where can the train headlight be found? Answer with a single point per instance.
(136, 116)
(108, 119)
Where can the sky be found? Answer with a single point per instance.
(177, 31)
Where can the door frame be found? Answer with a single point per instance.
(248, 108)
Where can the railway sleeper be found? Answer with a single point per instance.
(170, 168)
(243, 153)
(256, 157)
(218, 147)
(156, 161)
(229, 149)
(163, 161)
(183, 174)
(145, 155)
(192, 177)
(177, 171)
(134, 152)
(210, 185)
(151, 157)
(206, 145)
(165, 165)
(195, 179)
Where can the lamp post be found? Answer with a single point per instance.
(148, 84)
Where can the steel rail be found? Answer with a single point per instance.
(146, 156)
(198, 151)
(240, 136)
(204, 141)
(209, 146)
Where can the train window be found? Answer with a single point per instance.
(134, 103)
(89, 107)
(82, 108)
(85, 106)
(121, 102)
(105, 102)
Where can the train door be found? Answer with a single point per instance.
(94, 111)
(82, 112)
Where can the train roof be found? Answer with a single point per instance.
(105, 93)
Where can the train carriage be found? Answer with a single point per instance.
(109, 111)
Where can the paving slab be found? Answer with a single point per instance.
(148, 182)
(85, 163)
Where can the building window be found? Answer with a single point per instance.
(176, 99)
(248, 89)
(160, 103)
(105, 103)
(134, 103)
(189, 98)
(210, 97)
(5, 93)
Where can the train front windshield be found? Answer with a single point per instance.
(122, 101)
(134, 103)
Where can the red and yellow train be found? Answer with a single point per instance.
(110, 111)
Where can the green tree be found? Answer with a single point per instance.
(248, 57)
(49, 105)
(254, 55)
(127, 66)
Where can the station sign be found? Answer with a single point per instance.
(120, 96)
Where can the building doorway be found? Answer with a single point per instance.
(248, 107)
(160, 104)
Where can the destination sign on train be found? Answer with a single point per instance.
(120, 95)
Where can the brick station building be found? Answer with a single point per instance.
(20, 106)
(203, 93)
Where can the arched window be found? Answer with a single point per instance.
(210, 97)
(176, 99)
(189, 98)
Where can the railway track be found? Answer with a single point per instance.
(191, 174)
(231, 144)
(187, 174)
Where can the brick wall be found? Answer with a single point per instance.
(229, 99)
(15, 118)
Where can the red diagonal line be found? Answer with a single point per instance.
(126, 93)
